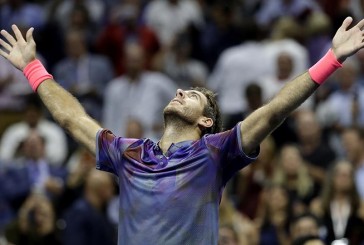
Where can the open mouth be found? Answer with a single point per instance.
(177, 101)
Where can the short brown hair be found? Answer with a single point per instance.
(211, 110)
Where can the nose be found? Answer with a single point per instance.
(180, 93)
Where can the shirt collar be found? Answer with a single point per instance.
(175, 146)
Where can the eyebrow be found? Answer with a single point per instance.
(193, 92)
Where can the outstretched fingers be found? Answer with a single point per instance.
(3, 53)
(360, 25)
(29, 35)
(17, 33)
(5, 45)
(8, 37)
(346, 23)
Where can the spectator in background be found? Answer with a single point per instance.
(86, 221)
(317, 31)
(270, 11)
(34, 175)
(80, 20)
(177, 16)
(220, 32)
(83, 73)
(345, 106)
(134, 129)
(13, 88)
(79, 166)
(284, 72)
(285, 68)
(236, 68)
(229, 216)
(54, 136)
(63, 11)
(337, 10)
(340, 207)
(285, 39)
(304, 225)
(36, 223)
(313, 148)
(228, 235)
(250, 182)
(353, 142)
(124, 27)
(360, 57)
(273, 217)
(180, 66)
(254, 97)
(21, 12)
(309, 240)
(138, 95)
(292, 172)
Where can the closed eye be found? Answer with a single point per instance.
(193, 95)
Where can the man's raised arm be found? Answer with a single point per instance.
(263, 121)
(64, 107)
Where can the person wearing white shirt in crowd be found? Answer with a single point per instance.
(177, 15)
(15, 134)
(138, 95)
(288, 59)
(234, 71)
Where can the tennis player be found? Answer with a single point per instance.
(170, 190)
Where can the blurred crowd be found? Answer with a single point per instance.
(124, 59)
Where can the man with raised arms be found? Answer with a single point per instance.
(170, 190)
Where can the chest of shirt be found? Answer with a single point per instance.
(186, 169)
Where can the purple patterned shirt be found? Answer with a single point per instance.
(172, 198)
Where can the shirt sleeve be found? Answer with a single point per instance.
(109, 151)
(227, 150)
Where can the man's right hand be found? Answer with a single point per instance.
(18, 51)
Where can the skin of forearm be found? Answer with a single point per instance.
(290, 97)
(264, 120)
(68, 112)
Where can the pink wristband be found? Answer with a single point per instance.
(36, 74)
(320, 71)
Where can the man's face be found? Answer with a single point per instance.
(134, 59)
(75, 45)
(351, 143)
(33, 147)
(343, 177)
(308, 129)
(304, 227)
(187, 105)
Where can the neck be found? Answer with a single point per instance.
(177, 132)
(133, 76)
(78, 57)
(340, 196)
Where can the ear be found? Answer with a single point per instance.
(206, 122)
